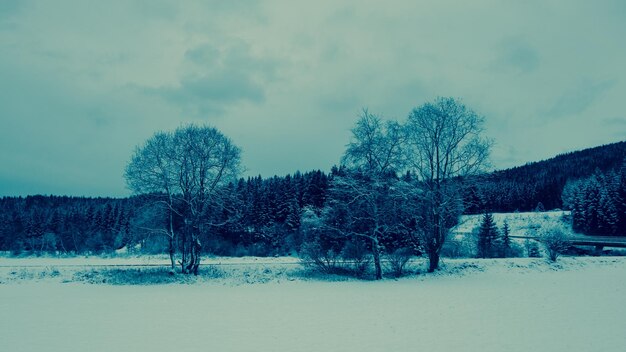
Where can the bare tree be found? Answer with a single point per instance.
(444, 142)
(376, 146)
(184, 170)
(365, 207)
(361, 197)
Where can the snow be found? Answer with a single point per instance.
(124, 260)
(517, 304)
(520, 224)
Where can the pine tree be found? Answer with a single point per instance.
(505, 239)
(487, 235)
(540, 208)
(621, 201)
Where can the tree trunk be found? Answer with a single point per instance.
(433, 261)
(192, 263)
(184, 251)
(171, 237)
(376, 252)
(171, 251)
(196, 256)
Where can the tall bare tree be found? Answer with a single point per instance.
(185, 170)
(444, 142)
(363, 195)
(376, 146)
(365, 207)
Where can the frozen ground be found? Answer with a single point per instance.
(471, 305)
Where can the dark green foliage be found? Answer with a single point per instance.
(532, 249)
(260, 217)
(522, 188)
(598, 203)
(540, 208)
(38, 224)
(505, 241)
(487, 236)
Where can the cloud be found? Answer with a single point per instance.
(205, 55)
(212, 93)
(83, 82)
(515, 55)
(218, 78)
(617, 125)
(619, 122)
(579, 98)
(159, 9)
(8, 8)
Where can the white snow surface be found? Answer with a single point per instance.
(520, 224)
(517, 304)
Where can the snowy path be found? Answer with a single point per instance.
(576, 310)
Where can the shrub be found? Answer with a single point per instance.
(144, 276)
(314, 256)
(515, 251)
(555, 242)
(260, 249)
(356, 257)
(460, 246)
(398, 259)
(532, 249)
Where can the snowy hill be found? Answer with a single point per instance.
(520, 224)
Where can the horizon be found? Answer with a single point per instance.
(245, 177)
(85, 83)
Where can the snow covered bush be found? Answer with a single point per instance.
(555, 242)
(462, 246)
(313, 256)
(532, 249)
(397, 260)
(144, 276)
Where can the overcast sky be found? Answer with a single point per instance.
(83, 82)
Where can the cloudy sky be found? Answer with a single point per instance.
(83, 82)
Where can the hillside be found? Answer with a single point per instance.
(522, 188)
(520, 224)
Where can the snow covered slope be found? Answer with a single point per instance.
(520, 224)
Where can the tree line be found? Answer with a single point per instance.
(264, 220)
(523, 188)
(189, 174)
(65, 224)
(598, 202)
(399, 188)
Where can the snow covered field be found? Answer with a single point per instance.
(520, 224)
(471, 305)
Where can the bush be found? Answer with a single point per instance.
(555, 242)
(532, 249)
(326, 261)
(219, 246)
(144, 276)
(260, 249)
(398, 259)
(460, 247)
(356, 257)
(515, 251)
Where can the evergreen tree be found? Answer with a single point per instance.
(487, 235)
(540, 208)
(505, 242)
